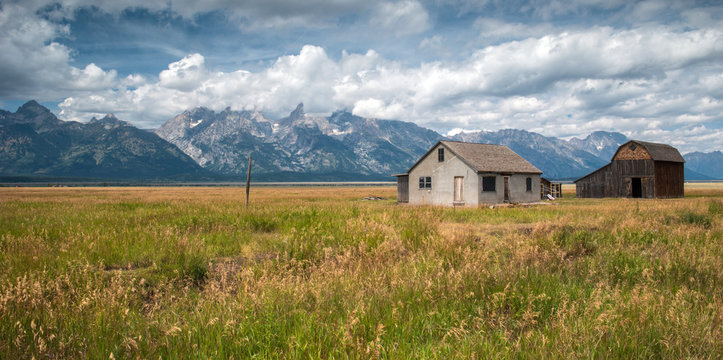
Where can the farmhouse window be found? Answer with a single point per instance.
(425, 182)
(529, 184)
(488, 183)
(440, 154)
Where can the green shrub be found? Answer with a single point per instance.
(575, 242)
(693, 218)
(715, 207)
(261, 223)
(195, 268)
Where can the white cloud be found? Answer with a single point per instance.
(186, 74)
(376, 108)
(491, 30)
(133, 81)
(89, 78)
(35, 65)
(457, 131)
(402, 18)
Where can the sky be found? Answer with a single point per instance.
(652, 70)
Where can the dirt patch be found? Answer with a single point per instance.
(373, 198)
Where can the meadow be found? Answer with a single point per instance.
(114, 273)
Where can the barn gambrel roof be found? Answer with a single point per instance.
(657, 151)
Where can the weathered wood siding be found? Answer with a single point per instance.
(659, 179)
(595, 185)
(633, 168)
(615, 180)
(669, 178)
(403, 188)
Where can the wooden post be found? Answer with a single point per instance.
(248, 182)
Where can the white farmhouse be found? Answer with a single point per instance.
(455, 173)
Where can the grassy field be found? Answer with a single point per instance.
(319, 273)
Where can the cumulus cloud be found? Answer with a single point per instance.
(185, 75)
(376, 108)
(35, 65)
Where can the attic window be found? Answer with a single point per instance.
(488, 183)
(440, 154)
(633, 146)
(425, 182)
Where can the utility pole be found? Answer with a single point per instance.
(248, 182)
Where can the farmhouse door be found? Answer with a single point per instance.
(507, 188)
(459, 190)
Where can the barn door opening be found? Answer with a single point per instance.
(507, 188)
(459, 190)
(637, 187)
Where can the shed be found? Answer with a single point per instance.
(547, 187)
(454, 173)
(639, 169)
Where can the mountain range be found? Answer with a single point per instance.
(339, 146)
(201, 144)
(34, 142)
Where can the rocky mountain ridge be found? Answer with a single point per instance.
(34, 142)
(298, 143)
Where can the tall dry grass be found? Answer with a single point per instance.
(316, 272)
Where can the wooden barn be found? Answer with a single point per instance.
(639, 169)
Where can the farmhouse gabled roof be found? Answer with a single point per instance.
(657, 151)
(485, 158)
(491, 158)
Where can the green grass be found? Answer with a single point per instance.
(318, 273)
